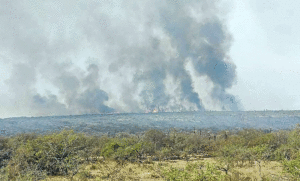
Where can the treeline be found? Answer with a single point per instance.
(35, 157)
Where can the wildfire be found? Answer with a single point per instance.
(155, 110)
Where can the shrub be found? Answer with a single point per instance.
(294, 138)
(193, 172)
(285, 152)
(55, 154)
(175, 174)
(165, 153)
(249, 136)
(281, 137)
(259, 152)
(180, 141)
(268, 139)
(292, 167)
(92, 147)
(9, 145)
(234, 140)
(5, 152)
(121, 150)
(156, 137)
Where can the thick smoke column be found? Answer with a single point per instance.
(96, 56)
(81, 96)
(207, 43)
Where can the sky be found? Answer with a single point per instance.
(266, 51)
(78, 57)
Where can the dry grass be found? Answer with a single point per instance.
(111, 170)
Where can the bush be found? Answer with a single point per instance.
(268, 139)
(122, 150)
(292, 166)
(9, 145)
(285, 152)
(294, 138)
(55, 154)
(5, 152)
(281, 137)
(165, 153)
(193, 172)
(156, 137)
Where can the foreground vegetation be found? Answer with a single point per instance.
(172, 155)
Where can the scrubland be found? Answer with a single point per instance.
(247, 154)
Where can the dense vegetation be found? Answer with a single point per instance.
(37, 157)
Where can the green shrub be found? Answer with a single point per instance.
(147, 148)
(294, 138)
(165, 153)
(175, 174)
(234, 140)
(5, 152)
(229, 151)
(259, 151)
(292, 166)
(180, 142)
(121, 150)
(156, 137)
(236, 154)
(55, 154)
(92, 147)
(281, 137)
(20, 139)
(9, 145)
(268, 139)
(285, 152)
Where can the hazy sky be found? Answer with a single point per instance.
(74, 57)
(266, 52)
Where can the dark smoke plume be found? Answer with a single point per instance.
(95, 56)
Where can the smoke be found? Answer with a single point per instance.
(103, 56)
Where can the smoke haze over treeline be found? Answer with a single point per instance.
(82, 57)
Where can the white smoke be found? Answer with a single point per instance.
(106, 56)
